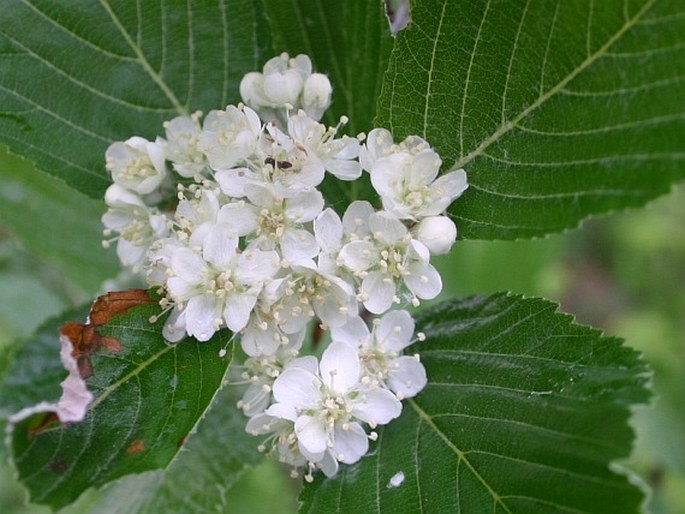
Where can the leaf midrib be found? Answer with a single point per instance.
(505, 127)
(156, 78)
(461, 455)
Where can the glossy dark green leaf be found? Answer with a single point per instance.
(76, 76)
(556, 109)
(524, 412)
(149, 396)
(198, 480)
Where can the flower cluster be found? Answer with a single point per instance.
(224, 215)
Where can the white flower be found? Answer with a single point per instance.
(279, 162)
(329, 407)
(136, 164)
(200, 209)
(337, 155)
(379, 144)
(280, 86)
(229, 137)
(218, 287)
(386, 257)
(438, 233)
(137, 224)
(181, 145)
(380, 351)
(408, 186)
(306, 293)
(273, 222)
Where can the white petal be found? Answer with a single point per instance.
(304, 206)
(262, 423)
(233, 181)
(130, 254)
(354, 332)
(444, 191)
(380, 290)
(359, 255)
(187, 265)
(282, 410)
(377, 406)
(311, 434)
(329, 231)
(298, 245)
(395, 330)
(181, 290)
(424, 168)
(297, 387)
(343, 169)
(201, 315)
(378, 142)
(328, 464)
(387, 174)
(220, 245)
(423, 280)
(175, 326)
(256, 266)
(356, 218)
(307, 363)
(255, 341)
(387, 228)
(241, 216)
(237, 309)
(340, 367)
(350, 445)
(408, 377)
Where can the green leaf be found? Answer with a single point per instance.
(55, 223)
(197, 481)
(524, 411)
(148, 397)
(350, 42)
(557, 110)
(76, 76)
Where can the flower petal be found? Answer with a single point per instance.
(395, 331)
(408, 377)
(340, 367)
(359, 255)
(297, 387)
(311, 434)
(350, 445)
(387, 228)
(377, 407)
(237, 309)
(423, 280)
(202, 313)
(379, 291)
(354, 332)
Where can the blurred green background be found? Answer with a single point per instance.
(624, 273)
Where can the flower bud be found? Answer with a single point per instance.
(136, 164)
(252, 90)
(438, 233)
(283, 88)
(316, 96)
